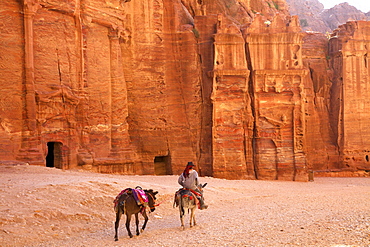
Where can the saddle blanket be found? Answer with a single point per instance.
(139, 196)
(193, 192)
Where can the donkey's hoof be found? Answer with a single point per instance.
(116, 239)
(141, 230)
(131, 236)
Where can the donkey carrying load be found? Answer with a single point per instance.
(187, 199)
(133, 201)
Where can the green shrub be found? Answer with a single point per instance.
(276, 5)
(196, 33)
(303, 22)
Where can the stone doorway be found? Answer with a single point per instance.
(162, 165)
(54, 156)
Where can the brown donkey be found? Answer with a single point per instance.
(125, 203)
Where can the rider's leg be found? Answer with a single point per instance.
(201, 200)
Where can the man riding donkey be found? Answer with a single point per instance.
(189, 180)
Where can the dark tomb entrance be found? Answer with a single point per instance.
(162, 165)
(54, 157)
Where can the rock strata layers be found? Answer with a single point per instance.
(143, 87)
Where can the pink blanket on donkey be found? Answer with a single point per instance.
(141, 196)
(138, 194)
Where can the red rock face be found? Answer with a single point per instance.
(321, 143)
(143, 87)
(349, 48)
(12, 56)
(278, 75)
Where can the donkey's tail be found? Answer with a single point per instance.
(120, 207)
(181, 206)
(176, 200)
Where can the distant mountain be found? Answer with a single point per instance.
(308, 12)
(340, 14)
(313, 16)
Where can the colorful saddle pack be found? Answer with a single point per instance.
(138, 194)
(194, 194)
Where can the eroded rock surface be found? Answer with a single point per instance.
(143, 87)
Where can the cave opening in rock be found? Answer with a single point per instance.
(162, 165)
(54, 156)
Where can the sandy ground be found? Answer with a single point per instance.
(50, 207)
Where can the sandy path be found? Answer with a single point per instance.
(50, 207)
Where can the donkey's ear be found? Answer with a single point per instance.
(155, 192)
(204, 185)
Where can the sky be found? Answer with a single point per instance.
(363, 5)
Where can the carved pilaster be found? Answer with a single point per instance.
(118, 97)
(30, 136)
(120, 143)
(30, 8)
(230, 98)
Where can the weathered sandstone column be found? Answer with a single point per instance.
(30, 136)
(119, 134)
(231, 142)
(120, 142)
(84, 153)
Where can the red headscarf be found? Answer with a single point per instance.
(188, 167)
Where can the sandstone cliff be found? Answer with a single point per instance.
(142, 87)
(348, 49)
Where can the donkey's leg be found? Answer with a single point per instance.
(137, 224)
(116, 224)
(182, 213)
(128, 219)
(193, 213)
(146, 218)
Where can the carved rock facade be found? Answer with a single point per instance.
(349, 49)
(142, 87)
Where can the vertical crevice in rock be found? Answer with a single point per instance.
(202, 99)
(206, 26)
(251, 91)
(253, 107)
(365, 59)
